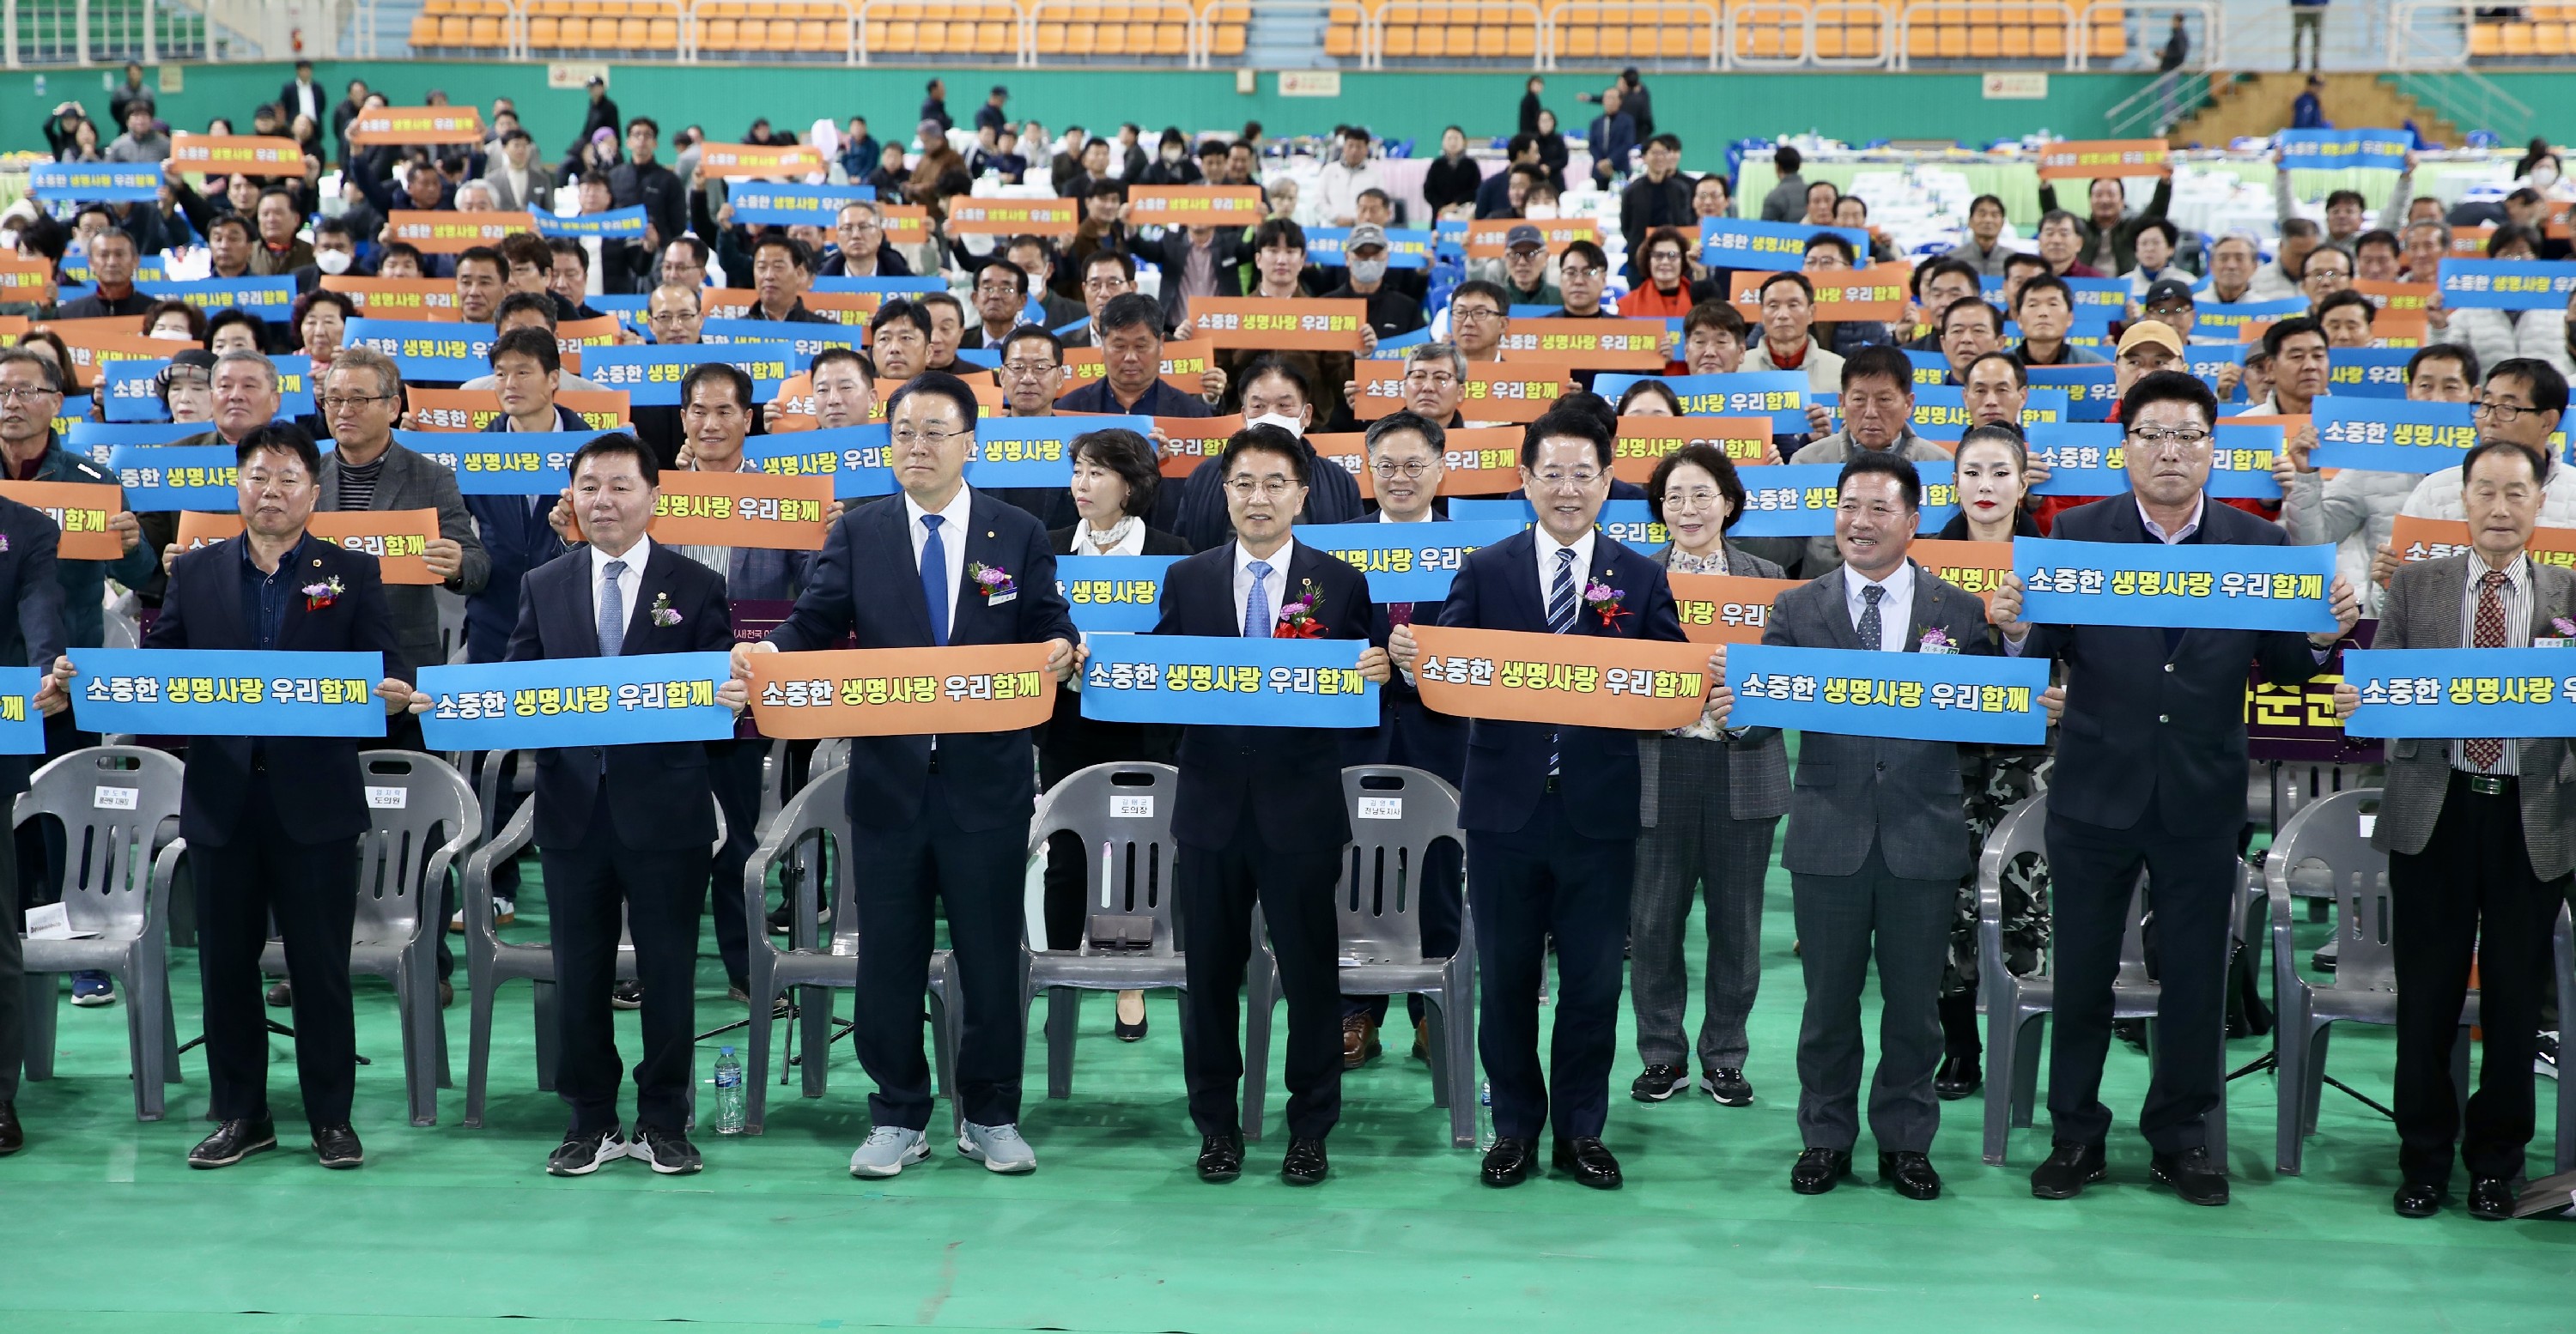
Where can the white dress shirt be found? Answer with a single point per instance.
(1547, 548)
(952, 538)
(1274, 586)
(1428, 516)
(1895, 609)
(2199, 509)
(630, 581)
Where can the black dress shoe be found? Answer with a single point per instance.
(13, 1137)
(1911, 1174)
(1659, 1082)
(338, 1147)
(1220, 1158)
(1305, 1164)
(281, 995)
(2192, 1175)
(1127, 1032)
(1959, 1076)
(1510, 1161)
(2491, 1199)
(1588, 1161)
(232, 1142)
(446, 993)
(1818, 1170)
(2418, 1199)
(626, 996)
(2069, 1169)
(1725, 1085)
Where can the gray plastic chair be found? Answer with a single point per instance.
(118, 805)
(401, 879)
(813, 827)
(1127, 810)
(1381, 937)
(2017, 1007)
(2565, 941)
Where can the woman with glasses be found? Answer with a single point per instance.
(1710, 804)
(1114, 481)
(1665, 289)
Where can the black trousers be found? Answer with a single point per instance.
(661, 892)
(2190, 883)
(13, 989)
(734, 769)
(906, 876)
(2469, 896)
(1549, 879)
(310, 890)
(1294, 888)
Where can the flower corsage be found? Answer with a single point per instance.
(323, 594)
(994, 582)
(1297, 619)
(1936, 640)
(1604, 602)
(663, 613)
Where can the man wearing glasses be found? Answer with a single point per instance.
(1479, 312)
(1435, 383)
(1129, 327)
(2153, 744)
(859, 233)
(1032, 375)
(1001, 297)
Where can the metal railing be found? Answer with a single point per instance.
(2151, 111)
(98, 32)
(1862, 34)
(1767, 34)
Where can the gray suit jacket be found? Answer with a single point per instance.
(541, 188)
(2423, 611)
(1757, 764)
(1853, 790)
(412, 482)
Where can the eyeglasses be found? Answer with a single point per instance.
(1435, 379)
(1577, 273)
(1408, 469)
(1268, 488)
(670, 316)
(1459, 313)
(2148, 440)
(17, 394)
(1028, 370)
(996, 289)
(1696, 498)
(1579, 478)
(1116, 284)
(335, 402)
(2499, 411)
(906, 437)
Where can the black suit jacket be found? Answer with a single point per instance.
(30, 582)
(1497, 588)
(1289, 778)
(657, 792)
(313, 780)
(2147, 726)
(867, 584)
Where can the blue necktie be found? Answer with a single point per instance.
(934, 579)
(1256, 606)
(1871, 629)
(612, 610)
(1560, 621)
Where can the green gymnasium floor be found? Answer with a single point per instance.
(105, 1229)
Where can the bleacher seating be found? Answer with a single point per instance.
(2541, 32)
(1141, 31)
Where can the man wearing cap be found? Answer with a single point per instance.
(2169, 302)
(989, 115)
(1525, 269)
(1390, 312)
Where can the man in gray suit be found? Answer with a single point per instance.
(517, 179)
(2478, 851)
(1878, 839)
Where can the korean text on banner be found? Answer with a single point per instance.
(548, 702)
(2462, 692)
(396, 538)
(1908, 696)
(901, 691)
(1569, 680)
(227, 692)
(1230, 681)
(81, 510)
(1406, 562)
(1113, 594)
(2198, 586)
(1726, 608)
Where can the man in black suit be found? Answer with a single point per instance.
(272, 823)
(1551, 812)
(623, 830)
(28, 581)
(2153, 747)
(1259, 813)
(936, 817)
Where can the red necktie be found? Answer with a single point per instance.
(2484, 753)
(1399, 613)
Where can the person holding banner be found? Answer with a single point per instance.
(1275, 392)
(2356, 509)
(2522, 404)
(30, 583)
(2109, 234)
(899, 338)
(2045, 309)
(2479, 859)
(1878, 418)
(1970, 330)
(858, 233)
(938, 816)
(1984, 249)
(1995, 389)
(1551, 813)
(1788, 315)
(112, 260)
(2497, 335)
(2154, 743)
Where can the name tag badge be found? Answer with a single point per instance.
(115, 798)
(997, 599)
(1131, 808)
(389, 798)
(1381, 808)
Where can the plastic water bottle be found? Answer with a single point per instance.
(1485, 1114)
(729, 1112)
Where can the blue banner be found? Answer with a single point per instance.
(1115, 594)
(1799, 499)
(2334, 150)
(1402, 341)
(22, 728)
(854, 457)
(2100, 300)
(428, 352)
(227, 692)
(2462, 692)
(1911, 696)
(2507, 284)
(1779, 395)
(803, 341)
(2390, 434)
(2089, 397)
(1736, 243)
(1627, 521)
(271, 299)
(1035, 451)
(651, 374)
(1227, 681)
(620, 224)
(2217, 315)
(1408, 562)
(2364, 372)
(295, 388)
(1404, 249)
(97, 441)
(777, 204)
(2194, 585)
(1451, 234)
(1940, 412)
(130, 391)
(2089, 459)
(1930, 368)
(176, 477)
(2045, 407)
(2206, 360)
(883, 286)
(2240, 462)
(502, 463)
(95, 182)
(633, 700)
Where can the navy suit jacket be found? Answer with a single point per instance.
(28, 579)
(1289, 777)
(1497, 588)
(313, 780)
(658, 795)
(517, 541)
(2148, 726)
(867, 584)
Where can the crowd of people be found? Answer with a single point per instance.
(1587, 843)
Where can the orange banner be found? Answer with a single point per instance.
(1182, 368)
(852, 308)
(905, 224)
(2431, 539)
(1570, 680)
(440, 232)
(479, 409)
(246, 154)
(417, 125)
(901, 691)
(395, 538)
(397, 298)
(1013, 217)
(1597, 345)
(1644, 442)
(2085, 159)
(2395, 298)
(738, 161)
(81, 510)
(1485, 239)
(1475, 461)
(1195, 205)
(726, 303)
(91, 346)
(1188, 442)
(1976, 567)
(29, 279)
(1874, 293)
(793, 408)
(2471, 242)
(1726, 608)
(742, 509)
(1519, 391)
(1302, 325)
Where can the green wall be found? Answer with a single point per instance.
(1706, 110)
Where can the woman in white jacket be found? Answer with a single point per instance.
(2499, 335)
(2356, 508)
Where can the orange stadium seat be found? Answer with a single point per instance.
(1950, 42)
(1341, 40)
(1985, 43)
(2485, 40)
(1051, 39)
(663, 35)
(424, 30)
(2110, 38)
(1230, 39)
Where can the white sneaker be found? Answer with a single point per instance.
(998, 1148)
(888, 1150)
(2544, 1060)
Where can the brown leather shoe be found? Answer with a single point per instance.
(1359, 1042)
(1421, 1040)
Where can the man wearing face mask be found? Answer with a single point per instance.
(1390, 313)
(1276, 393)
(335, 252)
